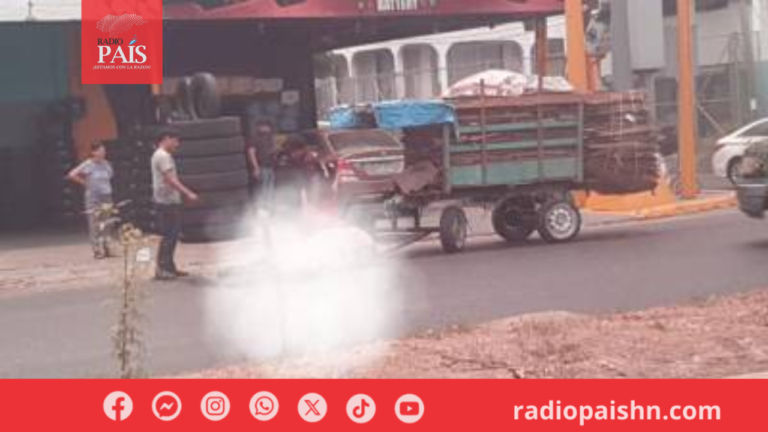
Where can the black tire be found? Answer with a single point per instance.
(211, 233)
(185, 102)
(734, 170)
(124, 159)
(453, 229)
(212, 164)
(133, 183)
(514, 220)
(133, 193)
(229, 215)
(132, 171)
(205, 95)
(559, 221)
(222, 198)
(200, 129)
(211, 147)
(215, 182)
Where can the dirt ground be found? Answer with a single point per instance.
(715, 338)
(65, 263)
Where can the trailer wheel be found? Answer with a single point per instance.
(559, 222)
(453, 229)
(511, 222)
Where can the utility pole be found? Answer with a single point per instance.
(577, 47)
(686, 100)
(623, 74)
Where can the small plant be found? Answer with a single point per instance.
(128, 336)
(108, 223)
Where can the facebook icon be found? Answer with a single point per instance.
(118, 406)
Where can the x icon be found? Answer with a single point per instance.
(312, 407)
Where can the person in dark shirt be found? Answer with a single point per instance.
(295, 168)
(260, 149)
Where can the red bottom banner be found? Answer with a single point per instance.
(384, 405)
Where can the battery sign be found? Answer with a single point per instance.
(404, 5)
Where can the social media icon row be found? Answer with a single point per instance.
(264, 406)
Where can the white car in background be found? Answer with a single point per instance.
(729, 151)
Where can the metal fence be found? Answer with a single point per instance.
(724, 93)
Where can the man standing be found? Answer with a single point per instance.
(167, 193)
(261, 154)
(95, 175)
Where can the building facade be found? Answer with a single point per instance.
(732, 83)
(425, 66)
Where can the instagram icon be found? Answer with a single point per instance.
(215, 406)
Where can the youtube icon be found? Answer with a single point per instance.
(409, 408)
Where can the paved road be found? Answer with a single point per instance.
(612, 268)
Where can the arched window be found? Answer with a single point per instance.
(374, 75)
(420, 71)
(468, 58)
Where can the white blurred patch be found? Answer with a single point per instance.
(310, 286)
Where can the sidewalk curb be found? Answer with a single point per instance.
(667, 211)
(695, 206)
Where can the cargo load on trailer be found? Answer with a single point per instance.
(523, 156)
(621, 144)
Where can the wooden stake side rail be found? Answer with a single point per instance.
(517, 141)
(612, 142)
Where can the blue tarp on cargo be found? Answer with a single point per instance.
(345, 117)
(393, 115)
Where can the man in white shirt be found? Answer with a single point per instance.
(168, 194)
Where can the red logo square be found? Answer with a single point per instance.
(122, 42)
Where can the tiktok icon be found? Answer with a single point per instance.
(361, 408)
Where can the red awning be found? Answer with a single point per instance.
(336, 9)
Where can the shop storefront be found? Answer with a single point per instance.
(261, 51)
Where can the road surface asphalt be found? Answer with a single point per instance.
(611, 268)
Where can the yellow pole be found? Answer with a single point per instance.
(577, 49)
(686, 100)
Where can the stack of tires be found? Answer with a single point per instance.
(130, 158)
(20, 188)
(63, 199)
(211, 161)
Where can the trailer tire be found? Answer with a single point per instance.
(559, 221)
(509, 221)
(453, 229)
